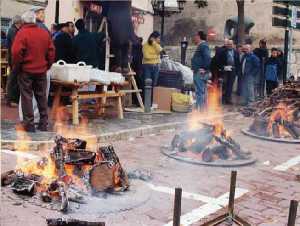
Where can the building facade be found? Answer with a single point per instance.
(214, 16)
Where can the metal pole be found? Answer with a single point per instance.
(148, 95)
(177, 207)
(292, 213)
(286, 49)
(290, 51)
(232, 193)
(162, 23)
(184, 45)
(57, 11)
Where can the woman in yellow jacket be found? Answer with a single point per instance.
(151, 58)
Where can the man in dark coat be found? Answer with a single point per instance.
(121, 30)
(63, 45)
(263, 54)
(87, 45)
(32, 57)
(13, 92)
(228, 63)
(200, 66)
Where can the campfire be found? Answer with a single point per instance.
(208, 143)
(277, 117)
(68, 170)
(280, 122)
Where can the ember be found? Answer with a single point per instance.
(68, 168)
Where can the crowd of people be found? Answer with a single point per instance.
(32, 49)
(253, 70)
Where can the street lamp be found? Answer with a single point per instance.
(163, 9)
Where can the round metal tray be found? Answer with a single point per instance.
(281, 140)
(218, 163)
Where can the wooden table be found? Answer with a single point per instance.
(100, 94)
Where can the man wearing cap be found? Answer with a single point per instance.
(40, 17)
(63, 44)
(13, 92)
(32, 57)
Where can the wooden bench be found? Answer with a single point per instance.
(99, 94)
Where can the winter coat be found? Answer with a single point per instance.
(87, 47)
(11, 34)
(33, 50)
(63, 47)
(251, 67)
(201, 58)
(222, 59)
(261, 53)
(272, 69)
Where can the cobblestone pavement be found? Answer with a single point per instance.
(264, 192)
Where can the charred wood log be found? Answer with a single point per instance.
(71, 222)
(24, 186)
(8, 177)
(275, 130)
(101, 178)
(259, 126)
(291, 129)
(80, 157)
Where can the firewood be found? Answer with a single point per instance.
(71, 222)
(101, 178)
(275, 130)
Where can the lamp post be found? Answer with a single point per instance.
(160, 8)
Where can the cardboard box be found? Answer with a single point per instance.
(162, 96)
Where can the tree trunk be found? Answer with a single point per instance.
(241, 21)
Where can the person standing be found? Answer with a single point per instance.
(151, 58)
(33, 53)
(240, 53)
(86, 45)
(13, 92)
(263, 54)
(40, 17)
(272, 71)
(200, 66)
(71, 28)
(63, 44)
(250, 68)
(229, 61)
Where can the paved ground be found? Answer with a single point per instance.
(264, 192)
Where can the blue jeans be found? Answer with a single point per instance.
(201, 91)
(151, 71)
(248, 89)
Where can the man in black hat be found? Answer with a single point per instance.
(63, 44)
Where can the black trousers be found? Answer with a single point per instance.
(33, 84)
(229, 78)
(12, 87)
(270, 86)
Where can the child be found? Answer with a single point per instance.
(272, 71)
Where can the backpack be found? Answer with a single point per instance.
(271, 72)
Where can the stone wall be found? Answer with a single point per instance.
(214, 16)
(174, 53)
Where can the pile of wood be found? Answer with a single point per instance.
(288, 94)
(74, 169)
(210, 143)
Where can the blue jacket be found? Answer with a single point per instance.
(272, 69)
(252, 65)
(201, 58)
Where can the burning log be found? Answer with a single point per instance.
(71, 222)
(290, 128)
(80, 158)
(24, 186)
(109, 172)
(275, 130)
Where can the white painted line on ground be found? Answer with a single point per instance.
(187, 195)
(203, 211)
(20, 154)
(288, 164)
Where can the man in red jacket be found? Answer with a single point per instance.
(33, 53)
